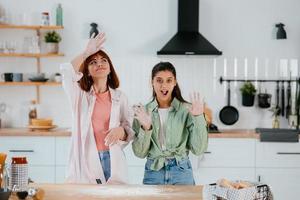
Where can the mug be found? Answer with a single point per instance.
(264, 100)
(17, 77)
(57, 78)
(8, 77)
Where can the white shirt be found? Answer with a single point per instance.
(163, 116)
(84, 165)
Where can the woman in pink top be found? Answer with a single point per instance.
(101, 120)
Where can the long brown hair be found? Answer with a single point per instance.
(167, 66)
(86, 81)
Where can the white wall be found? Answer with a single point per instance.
(136, 29)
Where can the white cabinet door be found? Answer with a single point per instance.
(224, 152)
(42, 174)
(277, 154)
(62, 149)
(135, 175)
(211, 175)
(284, 182)
(38, 150)
(60, 174)
(132, 160)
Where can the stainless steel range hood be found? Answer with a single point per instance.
(188, 40)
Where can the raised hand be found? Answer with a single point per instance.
(94, 44)
(197, 107)
(142, 116)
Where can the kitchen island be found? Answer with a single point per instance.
(116, 192)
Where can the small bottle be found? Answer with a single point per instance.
(45, 19)
(32, 111)
(59, 15)
(4, 176)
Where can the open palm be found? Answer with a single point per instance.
(94, 44)
(197, 107)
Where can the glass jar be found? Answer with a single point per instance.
(19, 173)
(45, 19)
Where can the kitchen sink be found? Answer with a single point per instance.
(278, 135)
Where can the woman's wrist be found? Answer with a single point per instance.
(85, 55)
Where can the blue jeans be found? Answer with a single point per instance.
(173, 173)
(104, 157)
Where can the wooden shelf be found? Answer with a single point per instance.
(27, 132)
(37, 56)
(29, 83)
(31, 55)
(32, 27)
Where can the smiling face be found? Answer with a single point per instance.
(163, 84)
(98, 67)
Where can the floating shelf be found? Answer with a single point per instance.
(37, 56)
(30, 83)
(31, 55)
(32, 27)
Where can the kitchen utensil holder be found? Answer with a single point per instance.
(259, 80)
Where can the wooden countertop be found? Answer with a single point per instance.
(116, 192)
(65, 132)
(235, 133)
(28, 132)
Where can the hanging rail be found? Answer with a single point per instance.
(258, 80)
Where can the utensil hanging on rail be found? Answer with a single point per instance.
(282, 99)
(228, 115)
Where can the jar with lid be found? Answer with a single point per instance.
(45, 19)
(32, 111)
(19, 173)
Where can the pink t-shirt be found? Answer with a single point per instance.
(100, 119)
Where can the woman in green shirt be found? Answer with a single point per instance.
(167, 128)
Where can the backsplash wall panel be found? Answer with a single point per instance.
(239, 29)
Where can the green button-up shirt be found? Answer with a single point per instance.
(184, 133)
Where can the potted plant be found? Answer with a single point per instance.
(52, 39)
(248, 94)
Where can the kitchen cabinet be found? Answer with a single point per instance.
(278, 165)
(37, 56)
(47, 156)
(62, 148)
(136, 166)
(40, 153)
(275, 154)
(284, 182)
(229, 158)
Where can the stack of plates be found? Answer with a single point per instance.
(41, 124)
(38, 79)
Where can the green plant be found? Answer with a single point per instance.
(53, 37)
(248, 88)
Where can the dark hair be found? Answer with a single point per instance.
(167, 66)
(86, 81)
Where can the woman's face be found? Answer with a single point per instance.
(99, 67)
(163, 84)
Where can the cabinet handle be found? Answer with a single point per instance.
(21, 151)
(258, 178)
(288, 153)
(207, 152)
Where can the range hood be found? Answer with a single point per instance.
(188, 40)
